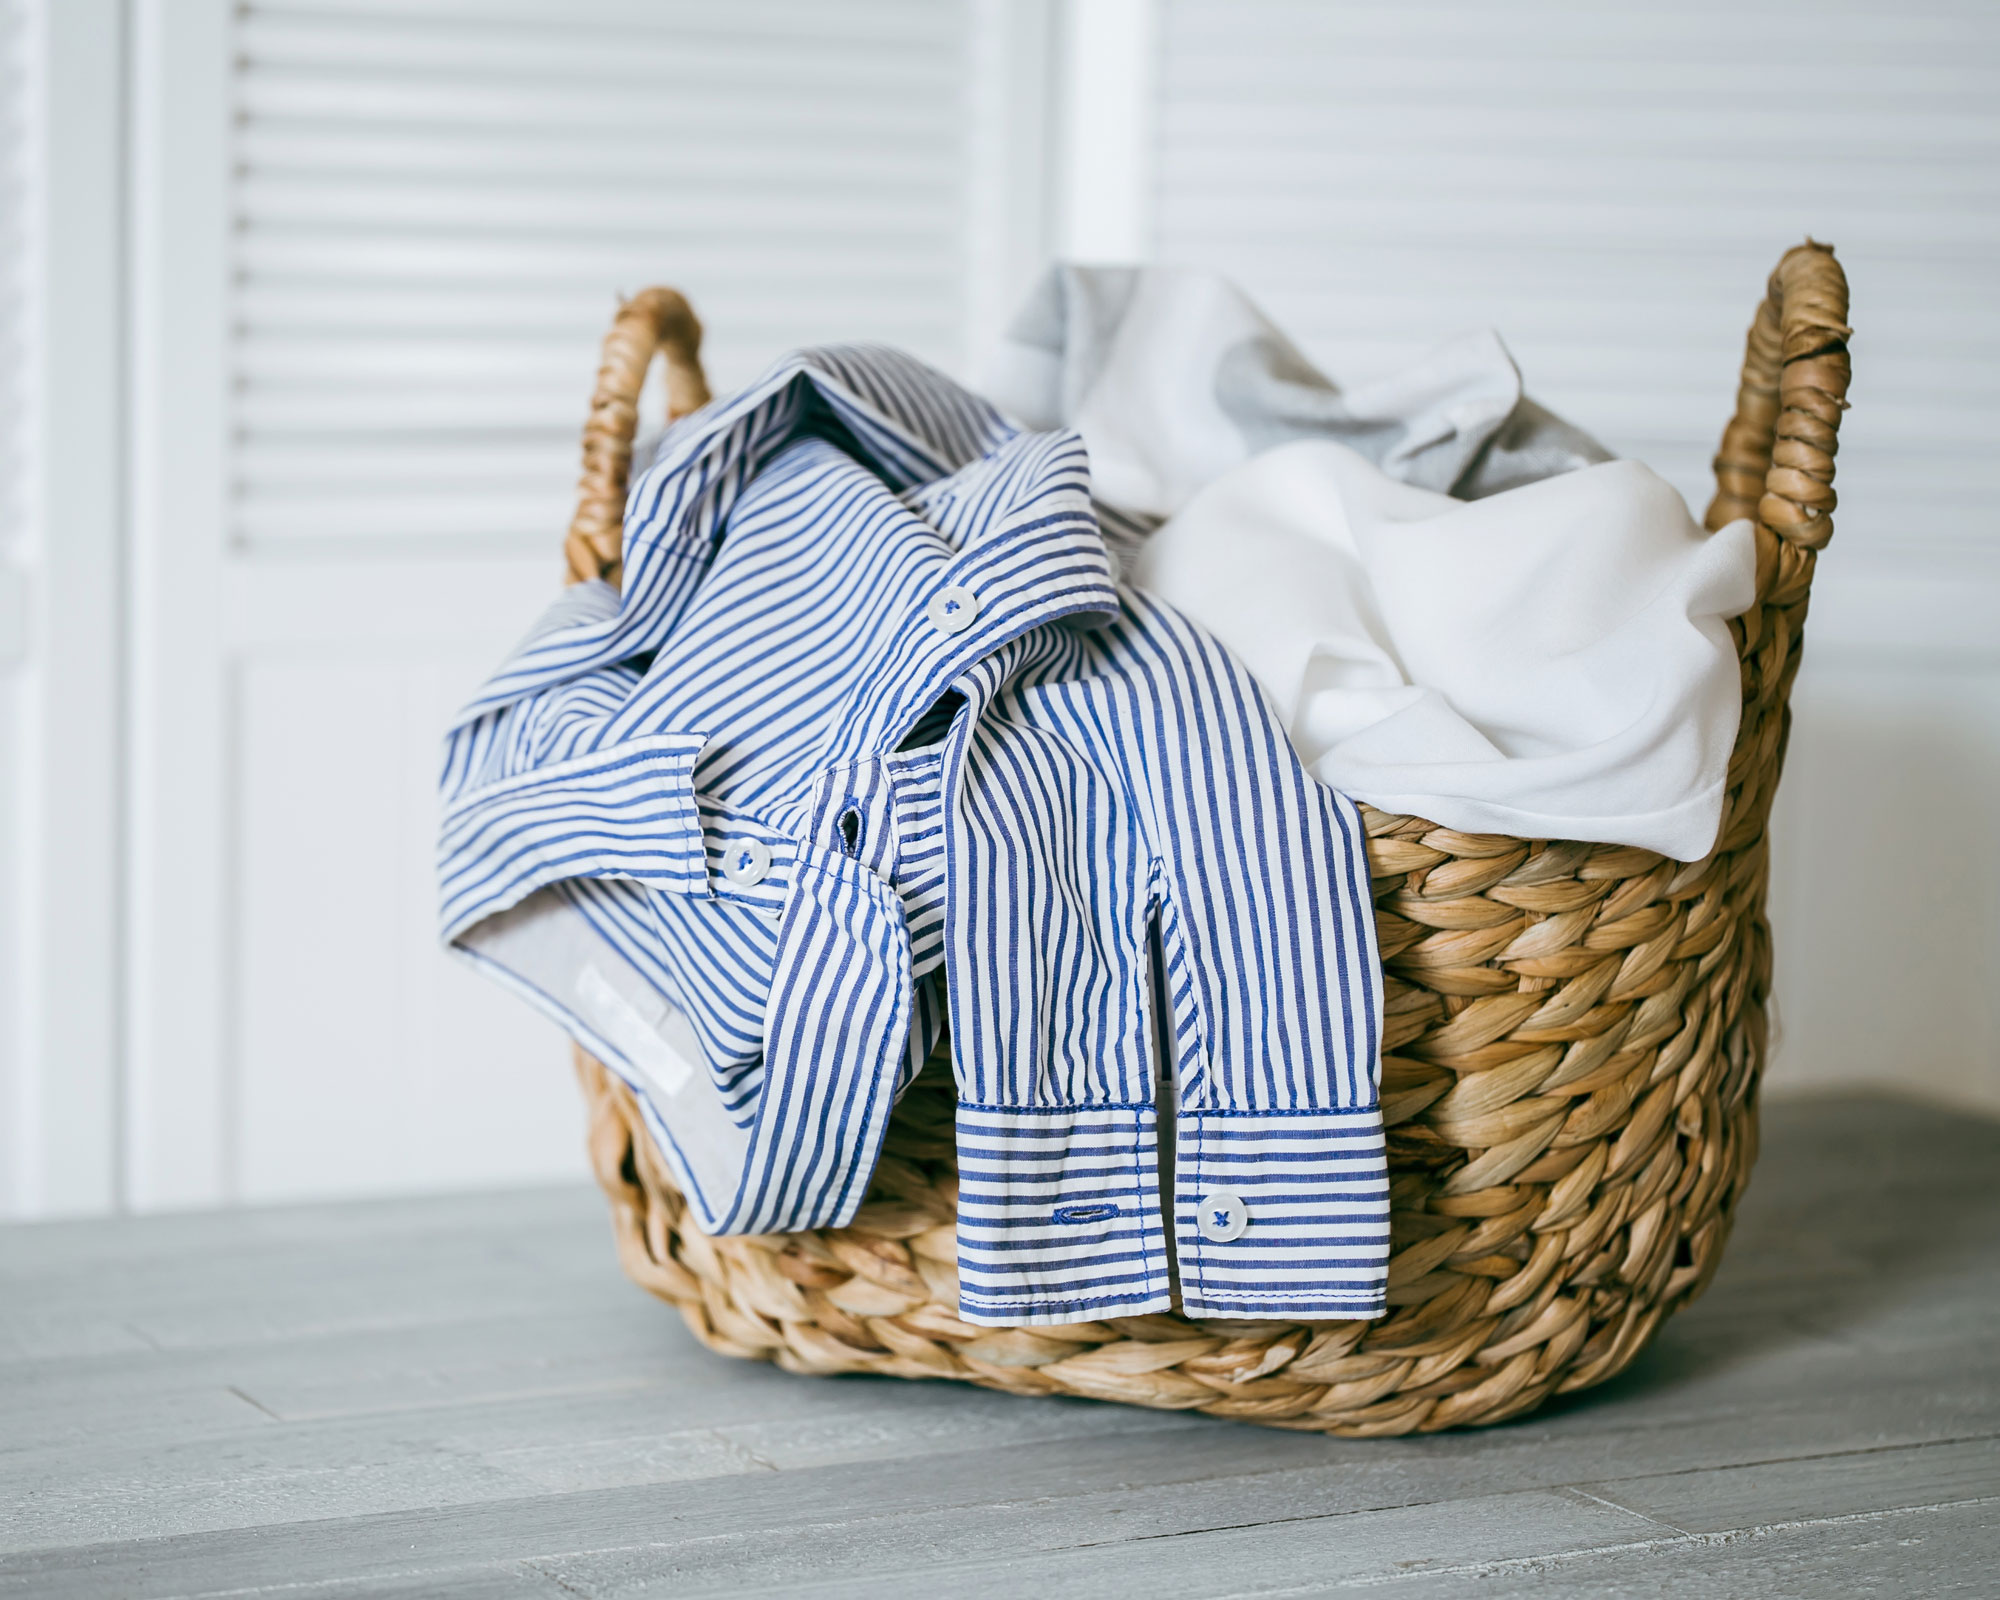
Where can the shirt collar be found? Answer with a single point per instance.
(1016, 507)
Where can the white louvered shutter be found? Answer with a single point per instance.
(19, 1193)
(407, 238)
(435, 205)
(18, 308)
(1607, 185)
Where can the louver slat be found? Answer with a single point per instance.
(434, 205)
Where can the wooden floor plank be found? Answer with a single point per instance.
(1360, 1547)
(461, 1396)
(1926, 1552)
(976, 1507)
(576, 1439)
(1922, 1553)
(1942, 1553)
(1849, 1484)
(249, 1276)
(466, 1455)
(252, 1296)
(92, 1248)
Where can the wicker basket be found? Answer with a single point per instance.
(1574, 1037)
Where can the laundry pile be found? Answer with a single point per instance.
(1038, 718)
(1462, 607)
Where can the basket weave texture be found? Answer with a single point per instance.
(1574, 1038)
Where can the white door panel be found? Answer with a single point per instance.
(376, 248)
(367, 1059)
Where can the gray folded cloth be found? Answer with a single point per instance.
(1173, 376)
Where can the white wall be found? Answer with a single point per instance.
(60, 607)
(347, 263)
(20, 300)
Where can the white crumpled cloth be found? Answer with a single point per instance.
(1464, 608)
(1173, 376)
(1550, 662)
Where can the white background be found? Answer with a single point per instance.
(298, 318)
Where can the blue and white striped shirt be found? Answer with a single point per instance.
(871, 736)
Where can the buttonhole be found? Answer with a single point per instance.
(850, 829)
(1099, 1212)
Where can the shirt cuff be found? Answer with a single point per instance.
(1282, 1214)
(1059, 1215)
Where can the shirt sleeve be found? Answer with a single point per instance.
(1275, 995)
(1143, 783)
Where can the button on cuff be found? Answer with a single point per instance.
(1222, 1217)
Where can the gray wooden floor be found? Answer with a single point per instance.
(462, 1397)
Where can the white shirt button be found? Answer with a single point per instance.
(745, 861)
(952, 608)
(1222, 1217)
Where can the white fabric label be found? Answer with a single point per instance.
(637, 1037)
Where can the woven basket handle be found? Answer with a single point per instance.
(654, 321)
(1775, 463)
(1775, 466)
